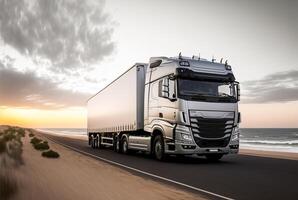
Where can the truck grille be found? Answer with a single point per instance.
(209, 132)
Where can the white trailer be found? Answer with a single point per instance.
(120, 105)
(179, 106)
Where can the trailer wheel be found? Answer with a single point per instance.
(89, 140)
(159, 148)
(124, 146)
(214, 157)
(99, 142)
(92, 142)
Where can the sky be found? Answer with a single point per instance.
(55, 54)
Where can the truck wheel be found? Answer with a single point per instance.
(116, 145)
(124, 146)
(99, 142)
(92, 142)
(159, 148)
(214, 157)
(89, 140)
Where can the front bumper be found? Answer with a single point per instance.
(190, 147)
(180, 149)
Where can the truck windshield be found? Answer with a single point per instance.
(210, 91)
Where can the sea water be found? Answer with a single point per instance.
(271, 139)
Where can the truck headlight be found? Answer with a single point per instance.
(186, 137)
(182, 129)
(183, 134)
(235, 135)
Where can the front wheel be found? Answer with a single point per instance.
(124, 146)
(214, 157)
(159, 148)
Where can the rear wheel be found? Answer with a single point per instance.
(159, 149)
(116, 145)
(214, 157)
(89, 140)
(94, 142)
(98, 141)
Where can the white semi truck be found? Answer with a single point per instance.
(178, 106)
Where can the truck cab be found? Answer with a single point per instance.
(191, 107)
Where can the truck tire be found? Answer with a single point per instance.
(117, 144)
(89, 140)
(92, 142)
(124, 145)
(214, 157)
(159, 148)
(95, 142)
(99, 142)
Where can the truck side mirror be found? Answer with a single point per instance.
(164, 88)
(238, 91)
(167, 89)
(172, 92)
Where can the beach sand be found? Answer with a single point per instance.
(75, 176)
(269, 154)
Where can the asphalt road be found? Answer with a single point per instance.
(235, 176)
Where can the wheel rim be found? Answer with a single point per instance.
(117, 145)
(158, 149)
(124, 146)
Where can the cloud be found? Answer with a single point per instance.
(28, 90)
(68, 34)
(277, 87)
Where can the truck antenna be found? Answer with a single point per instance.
(193, 57)
(199, 56)
(221, 60)
(226, 63)
(213, 59)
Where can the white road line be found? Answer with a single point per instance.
(143, 172)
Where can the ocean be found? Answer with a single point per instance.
(271, 139)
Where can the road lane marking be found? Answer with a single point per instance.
(143, 172)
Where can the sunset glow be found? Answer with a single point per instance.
(36, 118)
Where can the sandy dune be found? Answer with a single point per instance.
(75, 176)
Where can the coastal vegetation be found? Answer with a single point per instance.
(38, 144)
(11, 148)
(50, 154)
(10, 158)
(31, 134)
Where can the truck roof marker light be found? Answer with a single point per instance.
(196, 57)
(228, 67)
(180, 56)
(184, 63)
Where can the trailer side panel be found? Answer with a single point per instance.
(119, 106)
